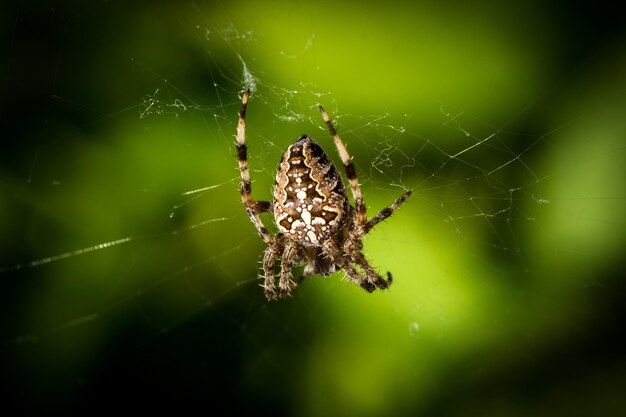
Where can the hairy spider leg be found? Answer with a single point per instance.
(383, 214)
(332, 250)
(362, 226)
(361, 211)
(253, 207)
(273, 252)
(286, 283)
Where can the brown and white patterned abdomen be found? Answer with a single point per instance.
(310, 202)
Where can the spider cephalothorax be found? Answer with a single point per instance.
(317, 226)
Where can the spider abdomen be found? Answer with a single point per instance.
(310, 202)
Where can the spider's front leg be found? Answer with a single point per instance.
(332, 251)
(273, 252)
(353, 248)
(288, 252)
(286, 284)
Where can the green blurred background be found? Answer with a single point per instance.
(119, 283)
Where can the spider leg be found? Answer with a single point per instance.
(253, 207)
(352, 248)
(361, 212)
(286, 284)
(382, 215)
(330, 249)
(273, 252)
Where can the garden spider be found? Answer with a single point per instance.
(317, 226)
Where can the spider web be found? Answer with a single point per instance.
(129, 265)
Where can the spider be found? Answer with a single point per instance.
(317, 226)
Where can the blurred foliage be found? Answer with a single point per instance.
(130, 270)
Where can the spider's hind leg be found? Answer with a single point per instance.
(253, 207)
(361, 212)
